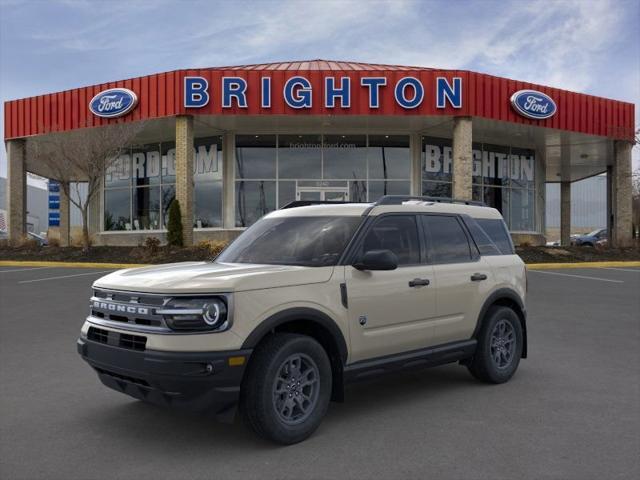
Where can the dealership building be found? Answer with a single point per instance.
(233, 143)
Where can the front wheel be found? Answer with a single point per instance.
(287, 388)
(499, 346)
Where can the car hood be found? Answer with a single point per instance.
(208, 277)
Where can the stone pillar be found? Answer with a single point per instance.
(565, 213)
(16, 191)
(228, 180)
(415, 147)
(621, 192)
(462, 158)
(65, 216)
(610, 203)
(184, 174)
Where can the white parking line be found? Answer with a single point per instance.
(64, 276)
(637, 270)
(578, 276)
(24, 269)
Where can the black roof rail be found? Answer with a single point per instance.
(306, 203)
(399, 199)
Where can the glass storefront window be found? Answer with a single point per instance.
(256, 156)
(146, 208)
(207, 176)
(117, 209)
(357, 168)
(168, 194)
(389, 157)
(146, 165)
(499, 172)
(300, 156)
(344, 156)
(151, 171)
(437, 159)
(378, 188)
(521, 210)
(253, 200)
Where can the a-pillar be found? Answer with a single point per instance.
(565, 213)
(462, 158)
(621, 193)
(16, 191)
(184, 174)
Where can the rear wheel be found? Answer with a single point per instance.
(499, 346)
(287, 388)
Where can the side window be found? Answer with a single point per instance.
(483, 242)
(448, 241)
(497, 231)
(397, 233)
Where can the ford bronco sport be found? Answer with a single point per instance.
(311, 297)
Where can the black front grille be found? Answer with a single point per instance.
(98, 335)
(133, 342)
(122, 340)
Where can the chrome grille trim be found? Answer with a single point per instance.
(143, 307)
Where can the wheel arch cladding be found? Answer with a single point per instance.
(505, 297)
(317, 325)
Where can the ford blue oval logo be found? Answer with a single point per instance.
(533, 104)
(114, 102)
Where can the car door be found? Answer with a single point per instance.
(389, 311)
(462, 278)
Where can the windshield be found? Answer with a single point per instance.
(303, 241)
(594, 233)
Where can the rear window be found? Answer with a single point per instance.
(498, 233)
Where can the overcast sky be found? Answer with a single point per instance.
(581, 45)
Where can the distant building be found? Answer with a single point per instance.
(37, 206)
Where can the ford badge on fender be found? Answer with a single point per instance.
(533, 104)
(114, 102)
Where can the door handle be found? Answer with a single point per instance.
(478, 277)
(418, 282)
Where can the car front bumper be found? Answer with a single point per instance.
(196, 381)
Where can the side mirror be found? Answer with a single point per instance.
(377, 260)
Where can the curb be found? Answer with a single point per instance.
(530, 266)
(553, 266)
(19, 263)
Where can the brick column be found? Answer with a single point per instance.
(621, 185)
(462, 158)
(16, 191)
(565, 213)
(228, 180)
(184, 174)
(65, 219)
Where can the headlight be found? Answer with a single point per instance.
(196, 314)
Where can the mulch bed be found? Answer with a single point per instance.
(198, 253)
(106, 254)
(576, 254)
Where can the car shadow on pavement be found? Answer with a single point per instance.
(135, 421)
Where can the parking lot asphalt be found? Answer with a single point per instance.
(571, 412)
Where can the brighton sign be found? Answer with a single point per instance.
(408, 92)
(533, 104)
(113, 103)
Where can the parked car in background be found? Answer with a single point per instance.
(41, 239)
(590, 239)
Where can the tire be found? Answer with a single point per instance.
(497, 364)
(271, 405)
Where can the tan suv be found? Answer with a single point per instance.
(308, 298)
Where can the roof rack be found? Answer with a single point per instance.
(306, 203)
(399, 199)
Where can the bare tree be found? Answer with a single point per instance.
(82, 156)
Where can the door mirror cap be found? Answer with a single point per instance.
(377, 260)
